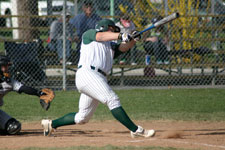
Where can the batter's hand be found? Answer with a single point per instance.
(138, 38)
(125, 37)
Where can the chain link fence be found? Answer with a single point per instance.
(42, 40)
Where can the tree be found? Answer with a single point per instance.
(27, 10)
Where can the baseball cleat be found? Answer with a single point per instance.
(47, 125)
(142, 132)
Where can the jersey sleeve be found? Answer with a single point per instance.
(89, 36)
(16, 85)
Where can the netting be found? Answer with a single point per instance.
(42, 38)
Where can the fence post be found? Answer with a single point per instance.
(122, 77)
(168, 46)
(64, 45)
(15, 20)
(214, 32)
(75, 8)
(49, 11)
(112, 9)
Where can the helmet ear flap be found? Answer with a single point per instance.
(117, 29)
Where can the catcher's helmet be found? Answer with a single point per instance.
(103, 25)
(4, 60)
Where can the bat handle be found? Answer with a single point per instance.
(139, 33)
(136, 35)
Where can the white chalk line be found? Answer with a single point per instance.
(136, 141)
(177, 141)
(196, 143)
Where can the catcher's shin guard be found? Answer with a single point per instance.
(12, 127)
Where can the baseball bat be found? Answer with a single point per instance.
(159, 23)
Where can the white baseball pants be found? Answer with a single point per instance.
(94, 88)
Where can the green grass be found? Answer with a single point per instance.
(140, 104)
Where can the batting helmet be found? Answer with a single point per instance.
(4, 60)
(103, 25)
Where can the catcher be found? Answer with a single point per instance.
(8, 124)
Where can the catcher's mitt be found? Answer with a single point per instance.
(46, 96)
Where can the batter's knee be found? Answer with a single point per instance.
(81, 119)
(12, 127)
(113, 103)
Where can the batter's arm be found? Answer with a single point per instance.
(106, 36)
(124, 47)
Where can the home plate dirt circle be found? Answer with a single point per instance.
(177, 134)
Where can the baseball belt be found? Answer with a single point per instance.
(94, 68)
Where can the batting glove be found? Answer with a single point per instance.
(125, 37)
(136, 38)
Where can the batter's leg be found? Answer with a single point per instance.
(120, 114)
(93, 84)
(68, 119)
(87, 107)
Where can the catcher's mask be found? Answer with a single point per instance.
(104, 24)
(4, 72)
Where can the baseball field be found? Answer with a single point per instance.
(183, 119)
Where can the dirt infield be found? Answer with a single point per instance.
(200, 135)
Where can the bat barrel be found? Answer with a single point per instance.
(177, 15)
(161, 22)
(167, 19)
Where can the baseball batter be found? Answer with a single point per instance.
(8, 124)
(96, 60)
